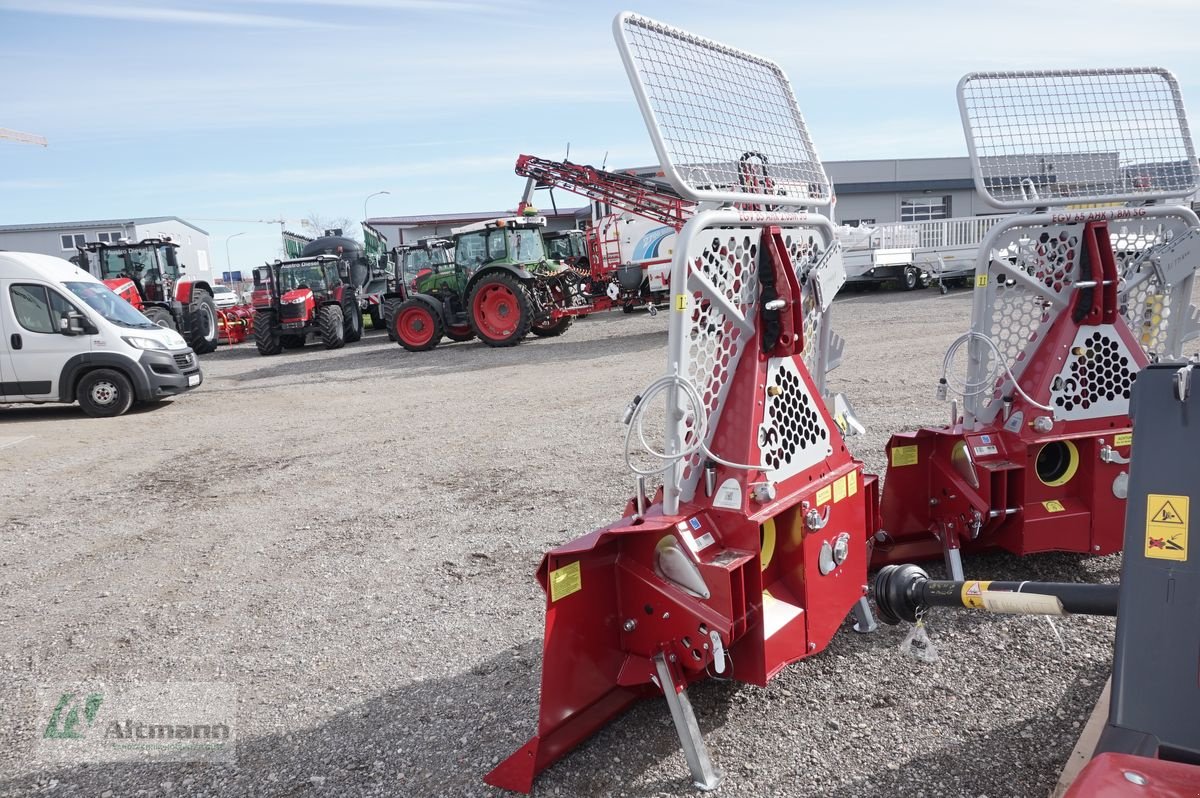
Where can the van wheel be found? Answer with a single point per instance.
(104, 393)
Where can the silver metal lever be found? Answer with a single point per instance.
(775, 304)
(1110, 455)
(1183, 382)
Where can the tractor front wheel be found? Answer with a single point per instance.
(160, 316)
(266, 333)
(332, 324)
(389, 318)
(205, 333)
(418, 328)
(500, 310)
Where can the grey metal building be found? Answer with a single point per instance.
(905, 190)
(406, 229)
(60, 239)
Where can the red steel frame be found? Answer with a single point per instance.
(930, 505)
(610, 612)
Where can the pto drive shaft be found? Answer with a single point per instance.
(903, 592)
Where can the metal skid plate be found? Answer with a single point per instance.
(1066, 137)
(725, 123)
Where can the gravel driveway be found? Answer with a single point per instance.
(350, 537)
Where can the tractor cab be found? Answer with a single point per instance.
(299, 281)
(512, 241)
(293, 298)
(567, 246)
(427, 257)
(150, 265)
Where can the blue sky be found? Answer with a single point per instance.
(257, 109)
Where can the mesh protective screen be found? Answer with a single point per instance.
(725, 123)
(1077, 137)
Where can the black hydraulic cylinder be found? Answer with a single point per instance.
(902, 592)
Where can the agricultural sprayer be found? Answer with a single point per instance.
(1087, 283)
(754, 550)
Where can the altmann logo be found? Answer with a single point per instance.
(169, 721)
(66, 726)
(128, 730)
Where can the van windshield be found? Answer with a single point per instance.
(109, 305)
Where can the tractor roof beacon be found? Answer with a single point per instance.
(295, 297)
(500, 287)
(147, 274)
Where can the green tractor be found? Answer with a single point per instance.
(500, 286)
(412, 263)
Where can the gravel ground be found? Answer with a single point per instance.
(350, 538)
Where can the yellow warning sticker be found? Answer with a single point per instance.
(972, 594)
(904, 456)
(839, 490)
(852, 483)
(1053, 506)
(981, 281)
(1123, 439)
(681, 302)
(1167, 527)
(824, 495)
(565, 581)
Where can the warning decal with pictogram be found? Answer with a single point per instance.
(1166, 527)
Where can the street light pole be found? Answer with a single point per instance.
(228, 261)
(376, 194)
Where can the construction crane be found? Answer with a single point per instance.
(23, 138)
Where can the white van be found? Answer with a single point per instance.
(65, 337)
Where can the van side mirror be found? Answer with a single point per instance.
(71, 323)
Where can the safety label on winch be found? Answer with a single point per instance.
(565, 581)
(904, 456)
(1167, 527)
(1123, 439)
(681, 302)
(1054, 506)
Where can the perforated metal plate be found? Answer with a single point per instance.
(725, 123)
(1077, 137)
(793, 435)
(1097, 378)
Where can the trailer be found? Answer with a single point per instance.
(914, 254)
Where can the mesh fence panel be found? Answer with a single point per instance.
(724, 121)
(1077, 137)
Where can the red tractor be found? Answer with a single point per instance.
(148, 276)
(293, 298)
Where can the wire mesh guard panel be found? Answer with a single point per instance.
(1070, 137)
(714, 341)
(725, 123)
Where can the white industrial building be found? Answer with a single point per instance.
(407, 229)
(61, 239)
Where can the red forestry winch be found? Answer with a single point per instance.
(1069, 306)
(754, 550)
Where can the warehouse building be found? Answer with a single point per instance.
(61, 239)
(905, 190)
(407, 229)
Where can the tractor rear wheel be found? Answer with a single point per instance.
(378, 322)
(160, 316)
(551, 329)
(461, 332)
(293, 341)
(352, 316)
(389, 318)
(332, 324)
(205, 334)
(501, 312)
(418, 327)
(266, 333)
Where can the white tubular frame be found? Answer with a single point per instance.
(975, 407)
(681, 479)
(1116, 135)
(708, 107)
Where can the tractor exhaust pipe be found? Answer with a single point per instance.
(905, 592)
